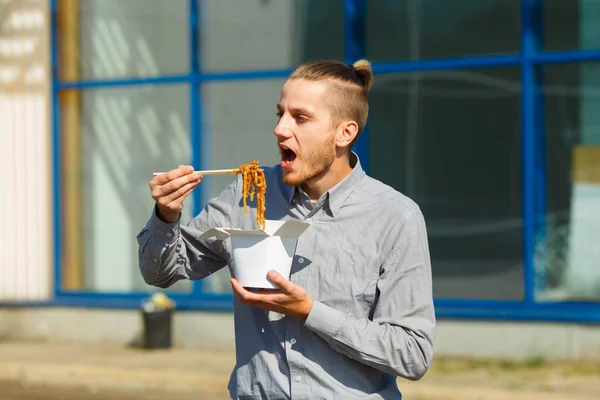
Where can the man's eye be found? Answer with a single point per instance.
(279, 114)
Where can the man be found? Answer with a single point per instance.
(356, 311)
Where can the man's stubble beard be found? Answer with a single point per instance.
(314, 164)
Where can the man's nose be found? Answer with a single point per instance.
(282, 130)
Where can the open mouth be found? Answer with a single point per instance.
(287, 156)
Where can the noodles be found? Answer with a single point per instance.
(254, 183)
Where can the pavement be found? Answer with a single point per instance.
(112, 367)
(110, 371)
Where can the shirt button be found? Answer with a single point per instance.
(298, 378)
(293, 341)
(308, 220)
(169, 234)
(301, 260)
(156, 260)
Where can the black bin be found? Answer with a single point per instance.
(158, 327)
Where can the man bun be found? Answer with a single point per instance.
(364, 72)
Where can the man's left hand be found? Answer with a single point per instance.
(289, 299)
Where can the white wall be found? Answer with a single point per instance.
(25, 163)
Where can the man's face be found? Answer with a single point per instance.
(304, 131)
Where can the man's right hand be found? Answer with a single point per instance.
(171, 188)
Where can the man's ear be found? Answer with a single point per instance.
(346, 133)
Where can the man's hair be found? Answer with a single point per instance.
(348, 92)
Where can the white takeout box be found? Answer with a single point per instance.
(256, 252)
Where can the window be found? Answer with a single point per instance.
(127, 88)
(433, 29)
(450, 140)
(269, 34)
(116, 138)
(492, 134)
(567, 247)
(123, 39)
(570, 24)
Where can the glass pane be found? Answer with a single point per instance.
(113, 140)
(239, 122)
(451, 141)
(571, 24)
(418, 29)
(116, 39)
(568, 251)
(258, 34)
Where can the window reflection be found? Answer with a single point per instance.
(567, 246)
(451, 141)
(418, 29)
(114, 140)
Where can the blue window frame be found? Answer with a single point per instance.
(530, 59)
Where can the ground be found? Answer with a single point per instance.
(15, 391)
(108, 371)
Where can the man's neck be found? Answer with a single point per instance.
(335, 174)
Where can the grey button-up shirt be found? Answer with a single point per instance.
(365, 262)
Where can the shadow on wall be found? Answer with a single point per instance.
(124, 134)
(128, 133)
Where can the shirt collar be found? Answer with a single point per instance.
(337, 195)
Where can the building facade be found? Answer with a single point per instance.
(482, 111)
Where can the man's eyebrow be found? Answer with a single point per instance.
(303, 111)
(297, 110)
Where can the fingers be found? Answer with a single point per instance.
(161, 188)
(171, 175)
(278, 279)
(245, 296)
(171, 188)
(176, 198)
(285, 289)
(169, 211)
(295, 302)
(237, 288)
(256, 298)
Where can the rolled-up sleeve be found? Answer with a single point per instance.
(169, 252)
(399, 338)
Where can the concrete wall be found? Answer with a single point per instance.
(510, 340)
(122, 326)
